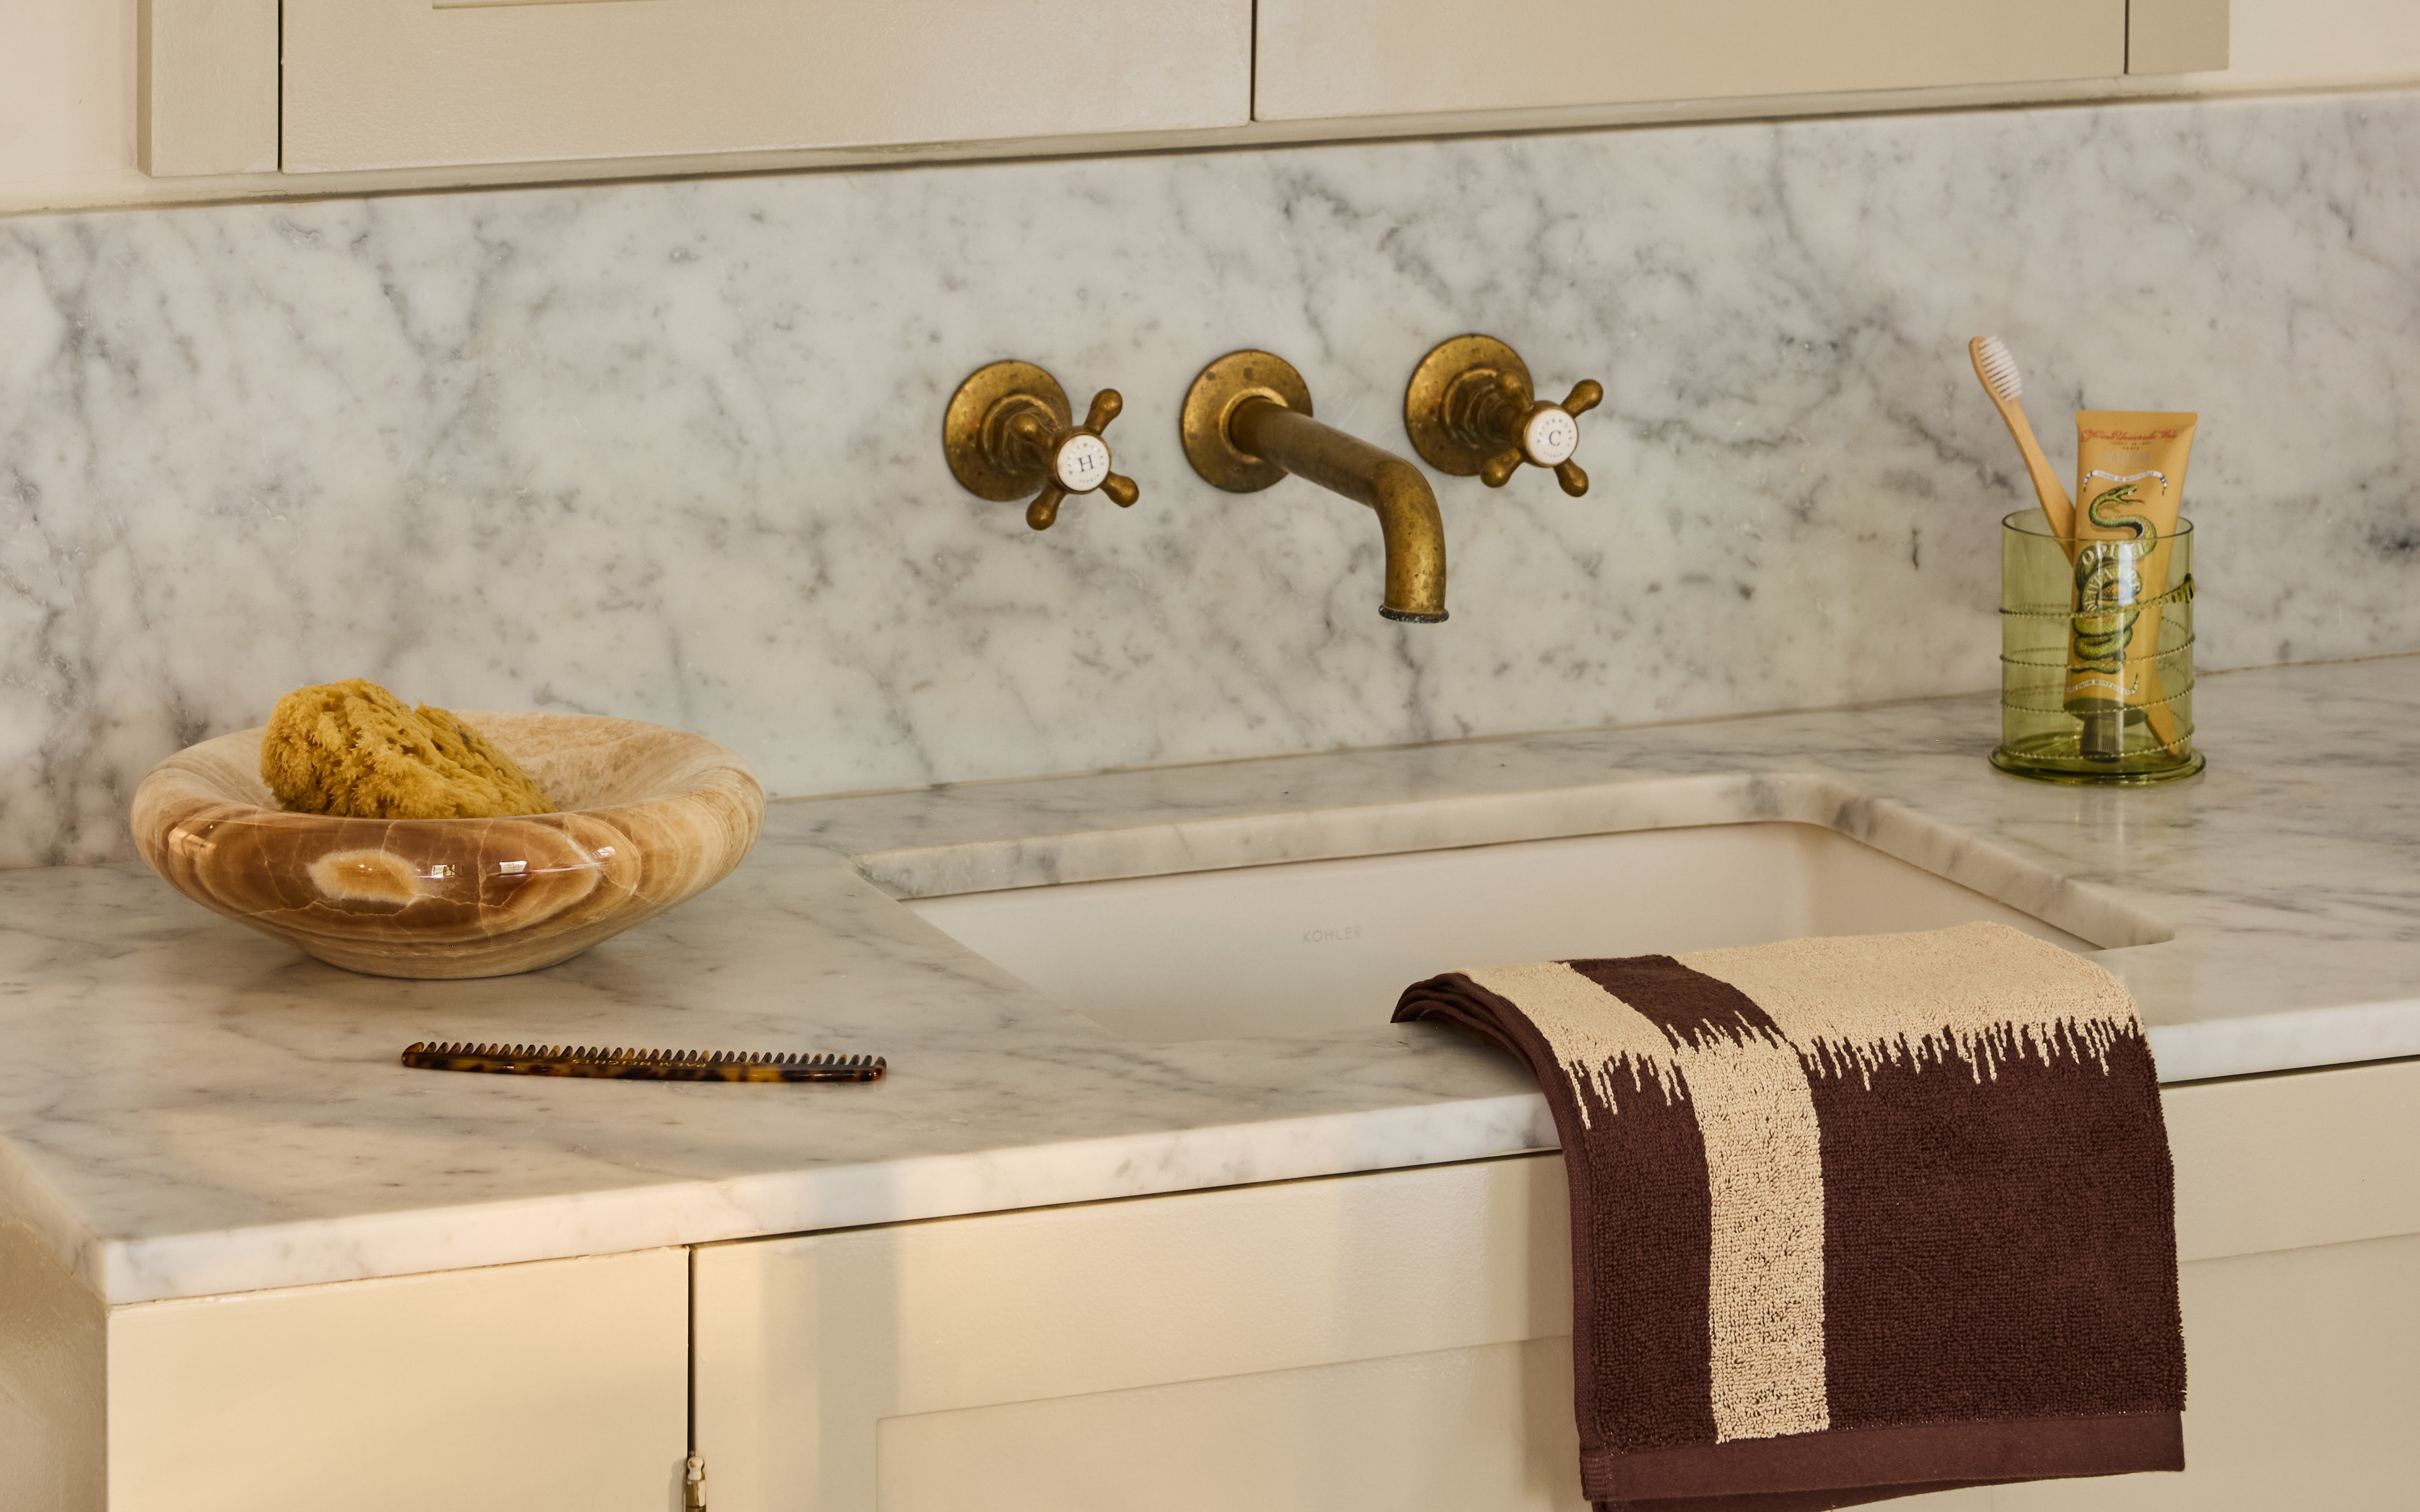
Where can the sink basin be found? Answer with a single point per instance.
(1310, 946)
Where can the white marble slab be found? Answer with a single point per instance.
(189, 1108)
(669, 450)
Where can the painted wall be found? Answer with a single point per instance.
(67, 83)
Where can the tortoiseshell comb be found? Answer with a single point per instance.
(645, 1065)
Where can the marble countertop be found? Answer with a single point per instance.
(189, 1108)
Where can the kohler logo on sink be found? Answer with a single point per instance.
(1327, 936)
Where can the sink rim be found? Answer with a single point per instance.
(1413, 826)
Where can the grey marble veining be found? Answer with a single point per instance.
(668, 450)
(188, 1107)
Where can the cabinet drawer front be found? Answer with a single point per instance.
(1457, 1430)
(806, 1345)
(557, 1386)
(2289, 1161)
(1373, 57)
(381, 84)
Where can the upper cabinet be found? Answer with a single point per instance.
(1322, 58)
(379, 84)
(440, 91)
(441, 84)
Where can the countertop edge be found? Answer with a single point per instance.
(420, 1241)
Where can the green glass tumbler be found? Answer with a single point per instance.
(2096, 655)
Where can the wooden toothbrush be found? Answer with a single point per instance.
(1998, 372)
(1997, 369)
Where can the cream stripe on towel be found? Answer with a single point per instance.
(1987, 994)
(1764, 1165)
(1604, 1046)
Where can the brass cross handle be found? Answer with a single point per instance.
(1008, 430)
(1472, 410)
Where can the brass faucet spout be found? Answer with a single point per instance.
(1408, 521)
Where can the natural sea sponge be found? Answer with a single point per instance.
(353, 750)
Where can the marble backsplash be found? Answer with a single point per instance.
(670, 449)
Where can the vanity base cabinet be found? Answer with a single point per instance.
(555, 1386)
(2305, 1369)
(53, 1388)
(1398, 1339)
(1401, 1340)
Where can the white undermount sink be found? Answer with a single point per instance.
(1310, 946)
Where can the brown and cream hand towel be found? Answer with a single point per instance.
(1851, 1218)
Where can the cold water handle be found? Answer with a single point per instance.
(1472, 410)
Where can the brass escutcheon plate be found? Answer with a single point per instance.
(1424, 397)
(963, 440)
(1212, 400)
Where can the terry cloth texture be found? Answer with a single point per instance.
(1851, 1218)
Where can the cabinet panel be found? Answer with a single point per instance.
(557, 1386)
(1280, 1346)
(2274, 1163)
(374, 83)
(806, 1345)
(205, 87)
(53, 1415)
(2178, 36)
(1369, 58)
(2305, 1379)
(1488, 1426)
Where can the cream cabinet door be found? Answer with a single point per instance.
(384, 84)
(1378, 57)
(555, 1386)
(1397, 1340)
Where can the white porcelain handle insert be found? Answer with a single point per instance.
(1549, 436)
(1083, 464)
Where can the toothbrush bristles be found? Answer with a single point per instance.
(1998, 366)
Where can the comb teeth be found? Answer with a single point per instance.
(1998, 367)
(685, 1057)
(632, 1063)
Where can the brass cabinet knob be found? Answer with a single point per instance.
(1472, 410)
(1007, 431)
